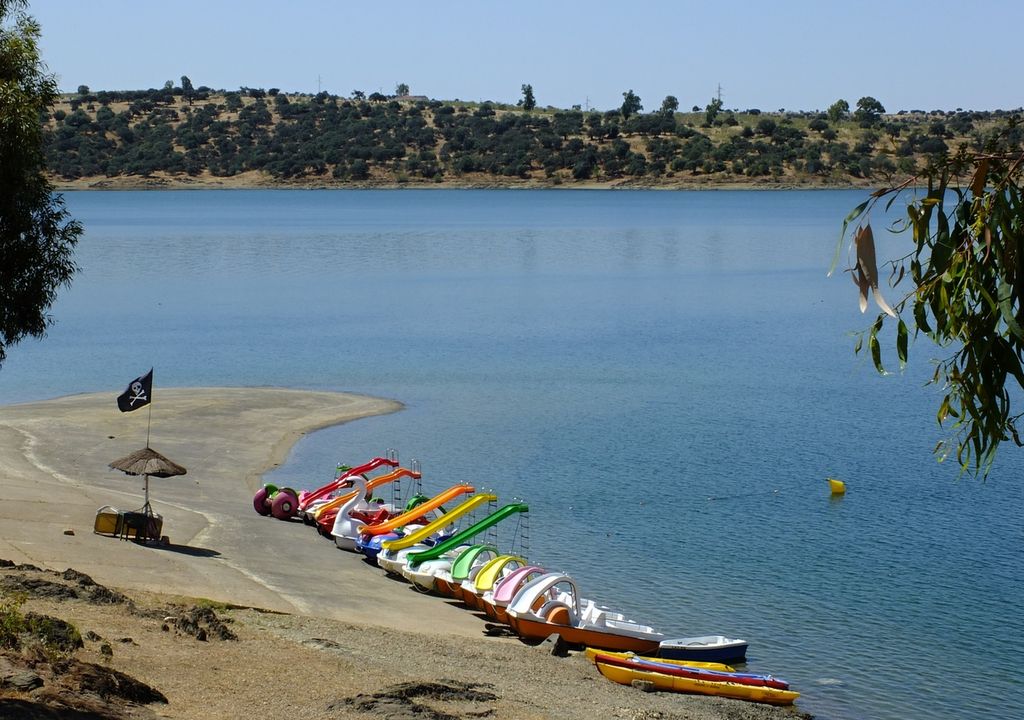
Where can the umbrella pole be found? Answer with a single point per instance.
(146, 505)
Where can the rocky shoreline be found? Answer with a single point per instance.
(259, 181)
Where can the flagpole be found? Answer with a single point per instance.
(149, 418)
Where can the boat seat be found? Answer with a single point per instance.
(557, 612)
(594, 615)
(628, 625)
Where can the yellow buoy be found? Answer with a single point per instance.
(838, 487)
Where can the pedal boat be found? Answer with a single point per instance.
(551, 604)
(495, 602)
(438, 576)
(486, 576)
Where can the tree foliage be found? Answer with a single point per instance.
(294, 137)
(869, 111)
(630, 104)
(187, 91)
(965, 271)
(711, 111)
(529, 102)
(838, 110)
(37, 238)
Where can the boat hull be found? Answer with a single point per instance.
(661, 681)
(712, 648)
(534, 631)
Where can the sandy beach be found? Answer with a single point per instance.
(321, 633)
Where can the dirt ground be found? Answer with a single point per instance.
(294, 666)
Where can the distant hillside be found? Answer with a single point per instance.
(258, 138)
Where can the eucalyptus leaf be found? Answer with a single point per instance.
(854, 214)
(876, 354)
(901, 343)
(921, 316)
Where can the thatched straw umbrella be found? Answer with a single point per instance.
(146, 462)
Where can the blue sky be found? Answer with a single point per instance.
(791, 54)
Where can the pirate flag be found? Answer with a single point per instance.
(138, 394)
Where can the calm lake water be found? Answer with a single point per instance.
(666, 377)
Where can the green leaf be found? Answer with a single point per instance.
(921, 316)
(901, 343)
(942, 250)
(876, 352)
(1006, 309)
(1008, 360)
(943, 412)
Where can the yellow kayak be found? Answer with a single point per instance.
(624, 673)
(593, 653)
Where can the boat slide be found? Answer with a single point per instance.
(418, 536)
(306, 499)
(417, 512)
(322, 511)
(484, 580)
(497, 599)
(391, 558)
(446, 573)
(460, 538)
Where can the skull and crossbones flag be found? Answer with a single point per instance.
(138, 394)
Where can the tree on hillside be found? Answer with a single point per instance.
(711, 111)
(186, 89)
(528, 102)
(630, 104)
(402, 90)
(83, 89)
(669, 105)
(869, 112)
(838, 110)
(37, 238)
(966, 289)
